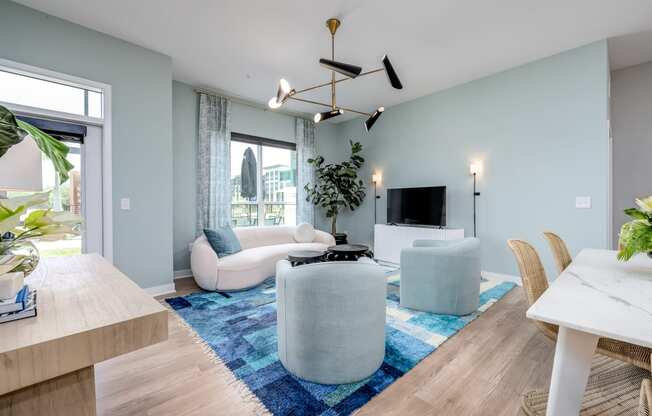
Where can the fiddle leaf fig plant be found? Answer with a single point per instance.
(337, 186)
(13, 131)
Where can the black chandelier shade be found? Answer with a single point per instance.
(391, 74)
(373, 118)
(328, 114)
(349, 70)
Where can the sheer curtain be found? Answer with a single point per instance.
(213, 164)
(306, 149)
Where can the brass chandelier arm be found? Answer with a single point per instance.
(329, 83)
(328, 105)
(292, 97)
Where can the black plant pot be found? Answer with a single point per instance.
(340, 238)
(649, 254)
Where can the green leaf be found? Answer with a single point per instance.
(37, 218)
(10, 133)
(52, 148)
(635, 237)
(10, 222)
(636, 214)
(12, 209)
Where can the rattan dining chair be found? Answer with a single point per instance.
(535, 283)
(559, 249)
(646, 398)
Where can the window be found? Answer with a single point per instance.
(29, 91)
(269, 196)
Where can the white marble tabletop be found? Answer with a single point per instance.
(601, 295)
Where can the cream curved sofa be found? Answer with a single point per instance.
(262, 247)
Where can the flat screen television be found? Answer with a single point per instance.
(417, 206)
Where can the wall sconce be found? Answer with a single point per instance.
(475, 168)
(376, 178)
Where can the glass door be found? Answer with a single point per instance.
(81, 194)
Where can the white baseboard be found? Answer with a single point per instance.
(160, 290)
(501, 276)
(180, 274)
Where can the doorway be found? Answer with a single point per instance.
(81, 194)
(76, 112)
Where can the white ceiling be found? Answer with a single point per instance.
(243, 47)
(629, 50)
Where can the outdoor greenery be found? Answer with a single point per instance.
(337, 185)
(636, 235)
(13, 131)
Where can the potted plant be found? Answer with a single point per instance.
(19, 228)
(337, 186)
(636, 235)
(28, 218)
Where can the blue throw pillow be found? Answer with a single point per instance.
(223, 240)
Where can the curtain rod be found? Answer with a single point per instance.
(249, 103)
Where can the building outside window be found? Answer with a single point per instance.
(274, 199)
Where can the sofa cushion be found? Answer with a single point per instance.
(251, 237)
(304, 233)
(223, 240)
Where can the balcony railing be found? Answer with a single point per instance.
(246, 215)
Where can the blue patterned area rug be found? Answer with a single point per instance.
(240, 329)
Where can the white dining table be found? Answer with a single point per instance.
(596, 296)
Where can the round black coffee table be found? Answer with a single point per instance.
(299, 257)
(348, 252)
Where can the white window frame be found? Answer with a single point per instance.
(105, 123)
(260, 200)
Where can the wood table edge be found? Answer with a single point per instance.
(156, 321)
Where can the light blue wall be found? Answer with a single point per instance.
(540, 131)
(141, 126)
(185, 106)
(244, 119)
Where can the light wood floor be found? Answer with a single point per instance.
(481, 371)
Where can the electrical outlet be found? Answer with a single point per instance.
(125, 203)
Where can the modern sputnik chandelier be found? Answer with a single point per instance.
(286, 92)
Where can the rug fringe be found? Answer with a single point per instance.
(231, 379)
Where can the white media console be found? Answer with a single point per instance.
(390, 239)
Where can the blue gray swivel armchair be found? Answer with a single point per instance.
(441, 276)
(331, 320)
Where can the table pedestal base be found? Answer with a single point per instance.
(570, 372)
(72, 394)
